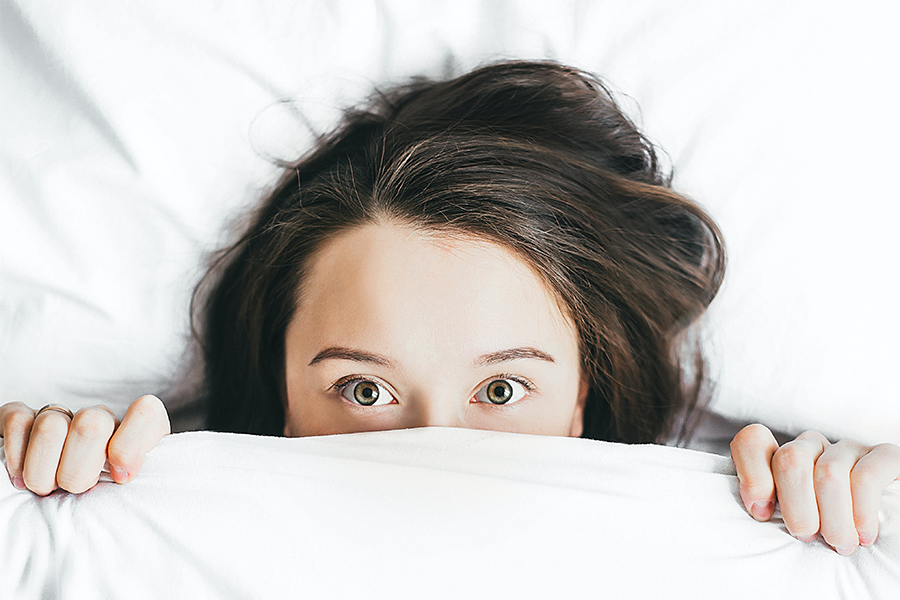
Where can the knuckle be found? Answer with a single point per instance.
(829, 473)
(789, 459)
(891, 451)
(751, 435)
(863, 476)
(848, 446)
(756, 431)
(15, 407)
(93, 424)
(17, 422)
(104, 409)
(51, 425)
(813, 436)
(15, 448)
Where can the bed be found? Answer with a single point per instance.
(133, 134)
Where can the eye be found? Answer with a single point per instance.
(366, 393)
(502, 391)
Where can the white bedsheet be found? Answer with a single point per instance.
(423, 513)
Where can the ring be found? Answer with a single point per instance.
(56, 407)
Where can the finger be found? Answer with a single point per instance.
(868, 479)
(84, 452)
(45, 444)
(792, 466)
(752, 449)
(832, 483)
(16, 420)
(144, 424)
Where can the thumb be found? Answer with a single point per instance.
(752, 450)
(144, 424)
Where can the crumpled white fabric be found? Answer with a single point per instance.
(422, 513)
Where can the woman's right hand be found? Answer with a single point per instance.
(49, 451)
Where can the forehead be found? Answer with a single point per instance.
(391, 284)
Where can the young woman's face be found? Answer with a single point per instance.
(396, 329)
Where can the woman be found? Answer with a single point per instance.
(499, 251)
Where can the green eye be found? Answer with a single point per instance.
(366, 393)
(499, 392)
(502, 391)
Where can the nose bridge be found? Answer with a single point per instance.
(437, 407)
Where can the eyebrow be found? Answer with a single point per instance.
(485, 360)
(342, 353)
(492, 358)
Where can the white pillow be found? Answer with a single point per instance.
(133, 133)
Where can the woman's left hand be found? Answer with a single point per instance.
(832, 489)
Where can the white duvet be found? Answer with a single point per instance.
(132, 132)
(423, 513)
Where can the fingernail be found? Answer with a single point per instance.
(846, 550)
(119, 474)
(18, 483)
(807, 539)
(761, 510)
(866, 540)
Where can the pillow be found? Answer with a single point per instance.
(136, 133)
(422, 513)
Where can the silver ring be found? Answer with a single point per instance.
(56, 407)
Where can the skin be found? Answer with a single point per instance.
(431, 323)
(447, 318)
(50, 451)
(822, 488)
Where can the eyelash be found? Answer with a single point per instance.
(525, 383)
(339, 385)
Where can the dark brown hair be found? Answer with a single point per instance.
(534, 156)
